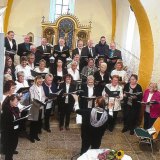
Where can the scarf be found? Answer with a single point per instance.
(93, 118)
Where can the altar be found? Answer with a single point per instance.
(67, 26)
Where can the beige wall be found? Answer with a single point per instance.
(99, 12)
(26, 17)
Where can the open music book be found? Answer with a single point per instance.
(53, 95)
(26, 107)
(112, 93)
(151, 130)
(148, 103)
(133, 94)
(90, 98)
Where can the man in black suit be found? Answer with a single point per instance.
(44, 48)
(10, 43)
(89, 50)
(78, 50)
(61, 50)
(24, 48)
(113, 52)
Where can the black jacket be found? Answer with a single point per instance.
(102, 49)
(74, 52)
(85, 52)
(7, 45)
(99, 83)
(22, 49)
(83, 101)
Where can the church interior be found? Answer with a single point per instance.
(80, 80)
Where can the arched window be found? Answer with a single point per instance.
(130, 30)
(59, 7)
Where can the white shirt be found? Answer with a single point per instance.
(31, 66)
(60, 73)
(90, 51)
(10, 43)
(26, 70)
(79, 50)
(102, 76)
(75, 74)
(90, 94)
(61, 48)
(121, 73)
(46, 70)
(148, 100)
(67, 91)
(40, 92)
(21, 85)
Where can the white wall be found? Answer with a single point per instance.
(131, 59)
(152, 8)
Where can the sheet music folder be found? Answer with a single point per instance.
(112, 93)
(34, 74)
(19, 119)
(23, 90)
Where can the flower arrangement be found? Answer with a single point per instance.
(111, 155)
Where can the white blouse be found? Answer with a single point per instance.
(46, 70)
(75, 74)
(148, 100)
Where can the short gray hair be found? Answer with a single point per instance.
(90, 77)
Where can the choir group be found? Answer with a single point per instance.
(90, 81)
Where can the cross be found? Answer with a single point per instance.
(43, 18)
(68, 11)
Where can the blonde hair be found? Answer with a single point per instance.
(155, 86)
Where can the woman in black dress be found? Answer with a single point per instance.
(94, 121)
(132, 94)
(10, 112)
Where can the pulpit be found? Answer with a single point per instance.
(67, 26)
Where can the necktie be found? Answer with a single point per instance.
(27, 47)
(111, 53)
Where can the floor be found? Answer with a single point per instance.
(62, 145)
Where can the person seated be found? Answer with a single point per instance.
(114, 103)
(94, 121)
(23, 67)
(49, 87)
(78, 50)
(58, 70)
(10, 43)
(152, 111)
(100, 60)
(102, 47)
(44, 48)
(58, 50)
(31, 61)
(74, 71)
(42, 67)
(9, 64)
(89, 91)
(90, 69)
(101, 78)
(66, 102)
(121, 73)
(131, 105)
(24, 48)
(113, 52)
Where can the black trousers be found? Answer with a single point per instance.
(46, 118)
(112, 120)
(130, 117)
(10, 144)
(65, 113)
(146, 120)
(90, 139)
(36, 126)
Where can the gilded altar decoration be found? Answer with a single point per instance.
(67, 26)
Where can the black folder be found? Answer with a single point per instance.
(112, 93)
(11, 52)
(39, 102)
(89, 98)
(34, 74)
(132, 94)
(148, 103)
(19, 119)
(23, 90)
(113, 58)
(53, 95)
